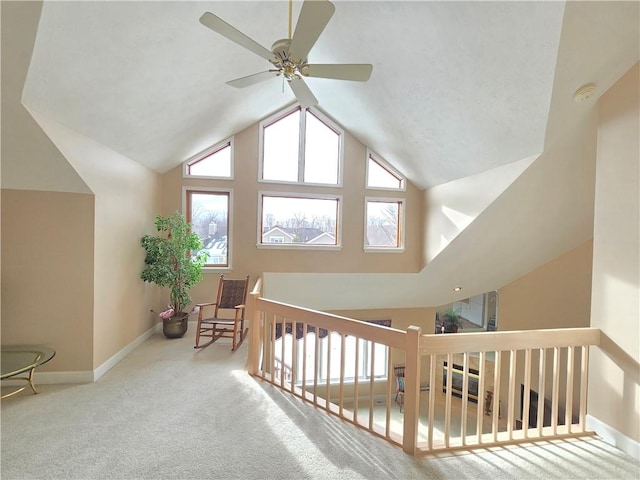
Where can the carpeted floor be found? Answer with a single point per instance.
(170, 412)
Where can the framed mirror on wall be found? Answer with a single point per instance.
(473, 314)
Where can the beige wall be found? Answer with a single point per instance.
(82, 251)
(554, 295)
(126, 203)
(451, 207)
(47, 274)
(247, 259)
(614, 388)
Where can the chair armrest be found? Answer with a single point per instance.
(239, 306)
(205, 304)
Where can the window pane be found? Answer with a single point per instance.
(321, 153)
(378, 176)
(208, 215)
(382, 224)
(280, 147)
(216, 164)
(295, 220)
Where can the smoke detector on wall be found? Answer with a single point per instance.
(584, 92)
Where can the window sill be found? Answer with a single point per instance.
(290, 246)
(214, 269)
(383, 250)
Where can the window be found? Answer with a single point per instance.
(384, 219)
(290, 220)
(208, 214)
(329, 363)
(214, 162)
(301, 146)
(381, 176)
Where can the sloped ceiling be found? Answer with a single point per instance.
(457, 87)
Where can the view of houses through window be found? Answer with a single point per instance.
(383, 223)
(208, 215)
(299, 220)
(297, 146)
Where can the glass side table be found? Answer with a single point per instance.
(18, 359)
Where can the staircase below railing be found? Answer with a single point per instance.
(497, 379)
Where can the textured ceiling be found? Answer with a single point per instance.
(457, 87)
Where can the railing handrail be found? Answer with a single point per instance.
(513, 350)
(508, 340)
(390, 336)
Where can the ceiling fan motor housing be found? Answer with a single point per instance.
(280, 48)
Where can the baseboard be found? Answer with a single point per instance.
(53, 378)
(614, 437)
(85, 376)
(112, 362)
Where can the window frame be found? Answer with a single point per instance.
(207, 152)
(371, 155)
(299, 246)
(330, 123)
(401, 225)
(186, 203)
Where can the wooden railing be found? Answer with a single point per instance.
(504, 372)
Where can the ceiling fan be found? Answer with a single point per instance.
(288, 56)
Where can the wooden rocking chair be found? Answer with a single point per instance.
(232, 295)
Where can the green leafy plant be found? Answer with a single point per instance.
(451, 318)
(169, 262)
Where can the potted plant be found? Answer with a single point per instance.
(451, 321)
(170, 262)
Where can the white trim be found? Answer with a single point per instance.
(85, 376)
(401, 227)
(369, 249)
(207, 152)
(298, 246)
(229, 191)
(614, 437)
(384, 164)
(113, 361)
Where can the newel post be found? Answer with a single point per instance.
(411, 390)
(254, 333)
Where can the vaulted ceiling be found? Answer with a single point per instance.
(457, 87)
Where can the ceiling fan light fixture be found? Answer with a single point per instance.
(289, 55)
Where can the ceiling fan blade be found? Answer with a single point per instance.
(252, 79)
(218, 25)
(302, 93)
(314, 16)
(358, 72)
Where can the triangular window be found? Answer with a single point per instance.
(381, 176)
(214, 162)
